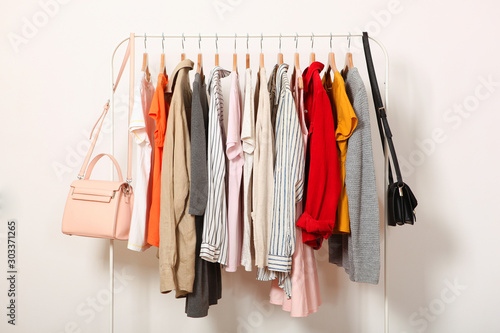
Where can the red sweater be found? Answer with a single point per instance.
(322, 164)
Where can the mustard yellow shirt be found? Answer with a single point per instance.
(345, 123)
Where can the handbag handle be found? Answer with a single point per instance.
(383, 124)
(129, 55)
(96, 159)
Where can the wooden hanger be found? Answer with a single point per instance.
(163, 67)
(348, 56)
(348, 62)
(235, 57)
(297, 69)
(331, 58)
(312, 57)
(145, 61)
(183, 55)
(297, 63)
(331, 62)
(199, 65)
(280, 55)
(261, 60)
(216, 50)
(247, 58)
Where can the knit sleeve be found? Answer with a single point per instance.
(363, 245)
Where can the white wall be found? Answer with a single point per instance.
(55, 80)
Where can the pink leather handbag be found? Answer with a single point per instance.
(101, 208)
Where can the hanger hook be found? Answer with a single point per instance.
(199, 42)
(216, 43)
(296, 42)
(162, 42)
(183, 39)
(261, 38)
(349, 42)
(331, 48)
(312, 40)
(145, 41)
(247, 42)
(234, 43)
(280, 43)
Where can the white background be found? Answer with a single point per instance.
(56, 77)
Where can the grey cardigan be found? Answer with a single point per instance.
(359, 251)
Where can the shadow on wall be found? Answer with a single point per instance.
(418, 290)
(416, 255)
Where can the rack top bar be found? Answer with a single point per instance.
(141, 35)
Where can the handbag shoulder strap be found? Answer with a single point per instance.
(131, 94)
(98, 126)
(129, 55)
(383, 124)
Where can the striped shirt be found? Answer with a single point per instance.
(215, 238)
(288, 180)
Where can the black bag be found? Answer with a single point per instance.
(401, 202)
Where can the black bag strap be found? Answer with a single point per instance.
(383, 124)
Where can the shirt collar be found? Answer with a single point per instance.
(216, 74)
(186, 63)
(309, 71)
(282, 83)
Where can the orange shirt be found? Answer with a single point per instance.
(346, 121)
(159, 112)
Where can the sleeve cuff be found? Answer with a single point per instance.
(265, 274)
(167, 279)
(138, 131)
(279, 263)
(209, 252)
(138, 248)
(312, 225)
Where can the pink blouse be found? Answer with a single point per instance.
(234, 151)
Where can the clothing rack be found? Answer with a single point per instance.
(311, 36)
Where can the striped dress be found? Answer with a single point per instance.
(215, 237)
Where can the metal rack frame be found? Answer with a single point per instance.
(312, 36)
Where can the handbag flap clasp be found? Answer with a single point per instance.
(95, 190)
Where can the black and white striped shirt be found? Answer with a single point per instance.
(215, 237)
